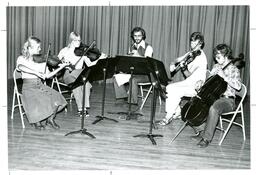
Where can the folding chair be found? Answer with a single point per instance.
(17, 95)
(56, 82)
(239, 110)
(144, 88)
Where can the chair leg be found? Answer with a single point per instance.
(227, 129)
(21, 113)
(13, 103)
(242, 118)
(53, 81)
(160, 100)
(141, 93)
(71, 96)
(221, 124)
(146, 97)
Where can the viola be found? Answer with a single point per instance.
(92, 53)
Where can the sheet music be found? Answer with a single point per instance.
(122, 78)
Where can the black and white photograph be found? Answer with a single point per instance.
(112, 87)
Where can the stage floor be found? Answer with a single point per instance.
(115, 148)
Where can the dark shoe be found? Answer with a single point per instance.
(39, 126)
(197, 136)
(203, 143)
(86, 113)
(52, 123)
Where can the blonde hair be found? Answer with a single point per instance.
(72, 37)
(27, 44)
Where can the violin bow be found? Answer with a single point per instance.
(47, 55)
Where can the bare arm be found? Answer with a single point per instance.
(26, 69)
(51, 74)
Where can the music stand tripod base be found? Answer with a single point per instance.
(150, 136)
(82, 131)
(99, 118)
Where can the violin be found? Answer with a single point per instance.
(52, 60)
(71, 74)
(92, 53)
(188, 59)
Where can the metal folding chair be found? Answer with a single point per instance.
(234, 114)
(17, 96)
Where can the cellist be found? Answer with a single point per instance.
(226, 103)
(195, 73)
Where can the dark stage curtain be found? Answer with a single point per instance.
(167, 28)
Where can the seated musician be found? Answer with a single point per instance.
(231, 74)
(68, 55)
(40, 102)
(195, 73)
(140, 49)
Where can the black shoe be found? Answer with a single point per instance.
(39, 126)
(86, 113)
(203, 143)
(52, 123)
(197, 136)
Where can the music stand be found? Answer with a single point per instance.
(82, 130)
(158, 72)
(132, 65)
(152, 118)
(108, 71)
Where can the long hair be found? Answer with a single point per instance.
(27, 44)
(197, 36)
(138, 29)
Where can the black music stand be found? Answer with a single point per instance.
(152, 118)
(108, 71)
(159, 77)
(84, 77)
(134, 66)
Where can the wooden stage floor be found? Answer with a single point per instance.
(115, 148)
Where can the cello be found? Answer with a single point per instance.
(196, 110)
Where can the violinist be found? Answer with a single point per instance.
(193, 65)
(226, 103)
(67, 55)
(40, 102)
(139, 48)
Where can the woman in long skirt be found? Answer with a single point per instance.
(41, 103)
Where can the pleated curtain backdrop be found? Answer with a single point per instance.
(167, 29)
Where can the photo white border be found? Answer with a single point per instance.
(3, 76)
